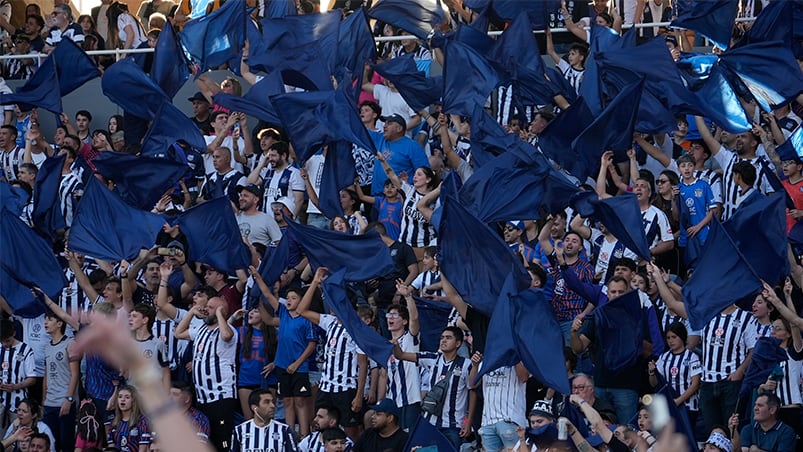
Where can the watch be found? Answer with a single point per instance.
(71, 399)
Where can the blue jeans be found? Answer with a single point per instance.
(452, 434)
(317, 220)
(63, 427)
(499, 436)
(624, 401)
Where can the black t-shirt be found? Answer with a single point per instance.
(204, 126)
(371, 441)
(403, 256)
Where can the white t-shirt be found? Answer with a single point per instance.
(392, 103)
(209, 166)
(125, 20)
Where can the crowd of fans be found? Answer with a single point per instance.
(282, 374)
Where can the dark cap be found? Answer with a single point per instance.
(395, 118)
(199, 97)
(542, 408)
(252, 188)
(176, 244)
(387, 406)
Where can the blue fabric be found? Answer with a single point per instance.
(125, 84)
(560, 85)
(537, 12)
(622, 216)
(12, 198)
(375, 346)
(271, 267)
(140, 181)
(418, 90)
(213, 236)
(559, 190)
(558, 135)
(355, 45)
(611, 130)
(47, 216)
(679, 413)
(426, 435)
(712, 19)
(338, 173)
(759, 232)
(300, 66)
(362, 256)
(26, 260)
(793, 146)
(720, 96)
(256, 102)
(291, 32)
(432, 318)
(217, 37)
(618, 325)
(768, 69)
(766, 355)
(170, 68)
(41, 90)
(418, 18)
(602, 38)
(468, 79)
(475, 259)
(107, 228)
(403, 155)
(778, 21)
(488, 138)
(281, 8)
(168, 126)
(509, 187)
(722, 275)
(73, 66)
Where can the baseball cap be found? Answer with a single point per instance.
(397, 118)
(387, 406)
(199, 97)
(516, 224)
(253, 188)
(176, 244)
(542, 408)
(719, 440)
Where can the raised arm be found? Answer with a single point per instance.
(389, 170)
(313, 197)
(576, 29)
(783, 308)
(60, 313)
(605, 165)
(162, 303)
(80, 276)
(593, 417)
(263, 287)
(303, 306)
(406, 291)
(651, 150)
(425, 202)
(663, 289)
(578, 225)
(550, 47)
(543, 236)
(710, 141)
(245, 70)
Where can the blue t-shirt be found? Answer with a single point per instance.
(251, 364)
(390, 215)
(698, 198)
(294, 335)
(779, 438)
(403, 154)
(128, 438)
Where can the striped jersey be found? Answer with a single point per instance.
(416, 231)
(455, 403)
(404, 380)
(504, 397)
(314, 443)
(340, 370)
(678, 370)
(727, 159)
(788, 389)
(213, 364)
(69, 184)
(760, 330)
(73, 298)
(165, 331)
(726, 342)
(274, 437)
(128, 438)
(10, 162)
(17, 364)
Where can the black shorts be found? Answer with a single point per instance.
(294, 385)
(341, 400)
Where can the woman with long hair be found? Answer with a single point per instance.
(130, 431)
(28, 422)
(257, 351)
(89, 28)
(681, 369)
(125, 31)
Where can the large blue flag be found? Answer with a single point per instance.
(140, 181)
(107, 228)
(711, 18)
(125, 84)
(300, 66)
(214, 39)
(488, 138)
(292, 32)
(47, 216)
(768, 69)
(12, 198)
(73, 66)
(793, 146)
(271, 267)
(256, 102)
(425, 435)
(558, 135)
(708, 82)
(611, 130)
(363, 256)
(759, 231)
(767, 354)
(168, 126)
(777, 23)
(722, 276)
(468, 79)
(602, 38)
(375, 346)
(536, 12)
(26, 260)
(509, 187)
(475, 259)
(170, 68)
(558, 191)
(500, 349)
(619, 330)
(355, 45)
(432, 317)
(418, 17)
(41, 90)
(418, 90)
(338, 173)
(281, 8)
(622, 216)
(213, 236)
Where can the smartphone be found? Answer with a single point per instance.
(166, 251)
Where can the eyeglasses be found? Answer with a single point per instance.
(511, 229)
(789, 162)
(662, 181)
(580, 387)
(392, 315)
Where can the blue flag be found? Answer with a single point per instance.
(558, 191)
(355, 45)
(73, 66)
(475, 259)
(509, 187)
(140, 181)
(168, 126)
(338, 173)
(424, 434)
(212, 40)
(618, 325)
(296, 32)
(775, 23)
(611, 130)
(793, 146)
(363, 256)
(468, 79)
(418, 90)
(12, 198)
(271, 267)
(602, 38)
(768, 69)
(557, 137)
(41, 90)
(26, 260)
(724, 106)
(722, 276)
(170, 68)
(256, 102)
(488, 138)
(47, 216)
(107, 228)
(759, 231)
(418, 17)
(767, 354)
(622, 216)
(711, 18)
(125, 84)
(375, 346)
(214, 237)
(536, 12)
(281, 8)
(560, 85)
(500, 349)
(432, 317)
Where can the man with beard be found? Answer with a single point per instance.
(263, 432)
(279, 178)
(213, 367)
(327, 417)
(257, 226)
